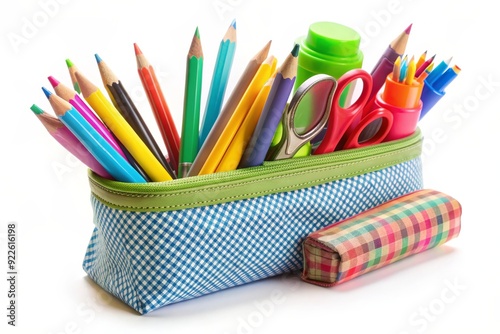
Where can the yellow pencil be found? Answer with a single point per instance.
(396, 69)
(235, 151)
(266, 69)
(122, 130)
(228, 109)
(410, 73)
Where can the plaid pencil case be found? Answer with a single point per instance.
(404, 226)
(160, 243)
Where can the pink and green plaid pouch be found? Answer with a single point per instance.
(404, 226)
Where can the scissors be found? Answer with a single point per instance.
(315, 105)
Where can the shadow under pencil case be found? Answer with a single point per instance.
(159, 243)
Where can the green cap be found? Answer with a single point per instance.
(328, 48)
(333, 39)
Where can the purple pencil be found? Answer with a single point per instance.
(75, 100)
(385, 64)
(259, 144)
(68, 140)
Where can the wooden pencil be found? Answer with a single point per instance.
(72, 70)
(159, 106)
(76, 101)
(192, 103)
(229, 107)
(256, 150)
(68, 140)
(263, 74)
(107, 156)
(122, 130)
(126, 106)
(219, 82)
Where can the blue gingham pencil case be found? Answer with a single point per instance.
(160, 243)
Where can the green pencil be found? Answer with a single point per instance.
(192, 98)
(72, 70)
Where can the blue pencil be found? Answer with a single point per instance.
(218, 85)
(108, 157)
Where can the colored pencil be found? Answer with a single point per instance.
(76, 101)
(107, 156)
(192, 102)
(396, 69)
(425, 73)
(263, 134)
(122, 130)
(219, 82)
(424, 66)
(263, 74)
(126, 106)
(385, 63)
(403, 69)
(158, 103)
(438, 71)
(68, 140)
(235, 151)
(410, 73)
(421, 59)
(72, 70)
(446, 78)
(228, 108)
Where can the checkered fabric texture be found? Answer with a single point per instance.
(380, 236)
(152, 259)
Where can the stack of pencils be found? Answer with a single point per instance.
(109, 135)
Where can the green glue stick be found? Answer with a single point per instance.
(328, 48)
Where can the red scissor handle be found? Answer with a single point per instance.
(380, 113)
(341, 118)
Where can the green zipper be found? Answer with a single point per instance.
(271, 177)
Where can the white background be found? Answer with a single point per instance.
(46, 192)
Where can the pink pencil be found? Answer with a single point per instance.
(75, 100)
(69, 141)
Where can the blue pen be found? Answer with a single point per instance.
(433, 92)
(438, 71)
(108, 157)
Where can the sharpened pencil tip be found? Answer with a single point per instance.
(137, 50)
(53, 81)
(295, 50)
(407, 30)
(36, 109)
(97, 58)
(46, 92)
(197, 33)
(233, 23)
(69, 63)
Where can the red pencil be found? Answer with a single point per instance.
(424, 66)
(160, 108)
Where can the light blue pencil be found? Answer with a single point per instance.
(218, 85)
(119, 168)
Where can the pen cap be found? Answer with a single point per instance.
(328, 48)
(405, 120)
(430, 97)
(400, 94)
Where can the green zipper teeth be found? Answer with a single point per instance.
(267, 168)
